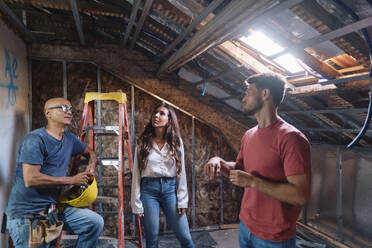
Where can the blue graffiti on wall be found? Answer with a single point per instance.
(11, 73)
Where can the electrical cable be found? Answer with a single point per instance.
(369, 44)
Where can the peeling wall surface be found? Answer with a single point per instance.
(14, 113)
(82, 77)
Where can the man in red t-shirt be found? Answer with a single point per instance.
(273, 166)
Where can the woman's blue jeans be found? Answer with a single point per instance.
(248, 240)
(161, 192)
(81, 221)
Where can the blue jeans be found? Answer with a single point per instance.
(161, 192)
(81, 221)
(248, 240)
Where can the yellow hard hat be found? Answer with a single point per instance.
(79, 196)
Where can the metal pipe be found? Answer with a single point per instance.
(64, 78)
(99, 138)
(221, 186)
(132, 116)
(193, 173)
(30, 94)
(339, 195)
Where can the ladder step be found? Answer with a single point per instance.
(106, 134)
(102, 128)
(106, 199)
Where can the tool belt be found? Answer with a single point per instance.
(44, 226)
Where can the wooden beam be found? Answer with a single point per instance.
(5, 8)
(191, 27)
(144, 14)
(248, 60)
(79, 26)
(366, 22)
(352, 69)
(133, 15)
(225, 23)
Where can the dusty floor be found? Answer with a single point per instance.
(225, 238)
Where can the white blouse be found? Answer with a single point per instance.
(160, 163)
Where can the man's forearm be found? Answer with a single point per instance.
(284, 192)
(43, 180)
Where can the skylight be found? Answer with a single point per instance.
(289, 63)
(268, 47)
(262, 43)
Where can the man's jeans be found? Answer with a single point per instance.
(161, 192)
(81, 221)
(248, 240)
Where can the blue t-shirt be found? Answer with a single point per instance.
(40, 148)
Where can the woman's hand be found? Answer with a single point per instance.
(181, 211)
(141, 215)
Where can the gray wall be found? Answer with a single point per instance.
(341, 200)
(14, 114)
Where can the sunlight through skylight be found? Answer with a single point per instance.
(262, 43)
(289, 63)
(268, 47)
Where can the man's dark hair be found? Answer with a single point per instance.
(271, 81)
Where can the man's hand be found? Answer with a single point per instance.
(241, 178)
(212, 167)
(90, 168)
(81, 178)
(215, 166)
(181, 211)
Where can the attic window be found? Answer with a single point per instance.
(263, 44)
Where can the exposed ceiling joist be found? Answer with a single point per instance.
(243, 27)
(141, 21)
(181, 6)
(225, 23)
(211, 7)
(78, 24)
(222, 74)
(327, 36)
(4, 7)
(132, 19)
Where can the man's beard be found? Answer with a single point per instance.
(256, 107)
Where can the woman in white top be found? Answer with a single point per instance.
(159, 177)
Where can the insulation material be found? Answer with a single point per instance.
(45, 85)
(232, 195)
(207, 145)
(81, 78)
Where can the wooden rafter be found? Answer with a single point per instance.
(222, 25)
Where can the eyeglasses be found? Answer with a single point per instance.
(64, 108)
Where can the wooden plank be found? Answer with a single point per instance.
(352, 69)
(144, 14)
(133, 15)
(225, 23)
(191, 27)
(79, 26)
(229, 226)
(322, 235)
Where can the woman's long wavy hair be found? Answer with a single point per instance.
(171, 135)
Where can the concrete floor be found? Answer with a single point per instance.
(227, 238)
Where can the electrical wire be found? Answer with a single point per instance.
(369, 44)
